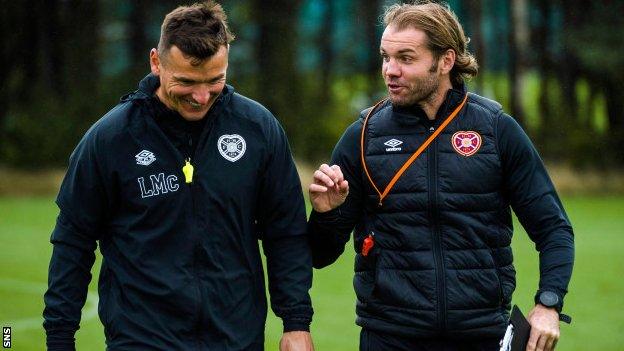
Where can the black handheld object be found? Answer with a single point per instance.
(522, 330)
(518, 332)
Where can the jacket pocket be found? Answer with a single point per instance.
(365, 277)
(507, 275)
(499, 279)
(402, 279)
(502, 257)
(106, 304)
(501, 294)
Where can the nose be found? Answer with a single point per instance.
(201, 94)
(391, 68)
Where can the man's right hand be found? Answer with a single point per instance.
(329, 188)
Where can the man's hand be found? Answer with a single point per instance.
(329, 188)
(544, 328)
(296, 341)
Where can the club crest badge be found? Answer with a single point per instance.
(231, 147)
(466, 143)
(145, 158)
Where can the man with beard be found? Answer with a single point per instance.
(177, 184)
(428, 178)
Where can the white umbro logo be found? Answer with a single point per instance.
(393, 143)
(145, 158)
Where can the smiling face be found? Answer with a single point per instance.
(411, 72)
(186, 87)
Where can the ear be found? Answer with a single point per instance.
(154, 62)
(447, 61)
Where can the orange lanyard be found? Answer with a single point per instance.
(412, 158)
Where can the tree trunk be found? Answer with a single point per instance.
(82, 51)
(569, 71)
(27, 51)
(476, 38)
(137, 43)
(518, 44)
(51, 49)
(278, 80)
(369, 13)
(615, 111)
(544, 67)
(325, 44)
(8, 55)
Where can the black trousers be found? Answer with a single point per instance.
(376, 341)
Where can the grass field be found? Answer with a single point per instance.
(595, 300)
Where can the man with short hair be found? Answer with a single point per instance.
(178, 183)
(428, 178)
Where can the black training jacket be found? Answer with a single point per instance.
(441, 264)
(181, 264)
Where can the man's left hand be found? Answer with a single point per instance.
(544, 328)
(296, 341)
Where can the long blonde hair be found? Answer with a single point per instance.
(443, 32)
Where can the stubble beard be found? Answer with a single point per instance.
(178, 101)
(422, 91)
(169, 100)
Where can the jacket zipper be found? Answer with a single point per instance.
(200, 319)
(498, 276)
(196, 265)
(204, 134)
(437, 238)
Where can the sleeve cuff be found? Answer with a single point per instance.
(61, 341)
(329, 216)
(296, 325)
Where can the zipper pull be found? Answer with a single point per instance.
(368, 244)
(188, 171)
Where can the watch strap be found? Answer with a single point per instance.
(565, 318)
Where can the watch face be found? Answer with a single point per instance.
(549, 299)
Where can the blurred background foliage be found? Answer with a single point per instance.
(556, 66)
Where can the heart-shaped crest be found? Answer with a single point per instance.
(231, 147)
(466, 143)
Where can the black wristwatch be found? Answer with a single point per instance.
(551, 299)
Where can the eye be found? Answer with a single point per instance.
(185, 82)
(407, 59)
(385, 57)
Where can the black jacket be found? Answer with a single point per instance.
(441, 264)
(181, 264)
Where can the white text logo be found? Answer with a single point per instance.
(6, 337)
(160, 184)
(393, 143)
